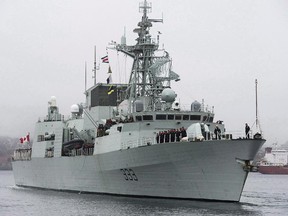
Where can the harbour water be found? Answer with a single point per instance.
(262, 195)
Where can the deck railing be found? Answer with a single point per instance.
(79, 152)
(147, 141)
(22, 154)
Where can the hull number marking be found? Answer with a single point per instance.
(129, 175)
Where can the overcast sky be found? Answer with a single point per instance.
(218, 48)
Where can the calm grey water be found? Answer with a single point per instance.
(262, 195)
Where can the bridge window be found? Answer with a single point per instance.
(195, 117)
(160, 117)
(178, 117)
(147, 117)
(170, 117)
(138, 118)
(186, 117)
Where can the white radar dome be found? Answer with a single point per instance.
(196, 106)
(74, 108)
(52, 101)
(168, 95)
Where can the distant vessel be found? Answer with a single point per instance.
(275, 161)
(135, 139)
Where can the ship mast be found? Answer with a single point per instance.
(150, 73)
(140, 78)
(95, 67)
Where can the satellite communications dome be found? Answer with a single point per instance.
(52, 101)
(74, 109)
(196, 106)
(168, 95)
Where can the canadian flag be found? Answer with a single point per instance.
(25, 139)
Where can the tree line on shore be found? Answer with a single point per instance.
(7, 146)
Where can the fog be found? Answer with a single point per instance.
(218, 48)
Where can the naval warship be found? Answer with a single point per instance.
(135, 139)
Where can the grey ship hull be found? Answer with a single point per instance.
(190, 170)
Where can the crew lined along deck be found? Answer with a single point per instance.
(173, 135)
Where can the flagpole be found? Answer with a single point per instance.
(256, 94)
(258, 127)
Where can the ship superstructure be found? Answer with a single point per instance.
(135, 139)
